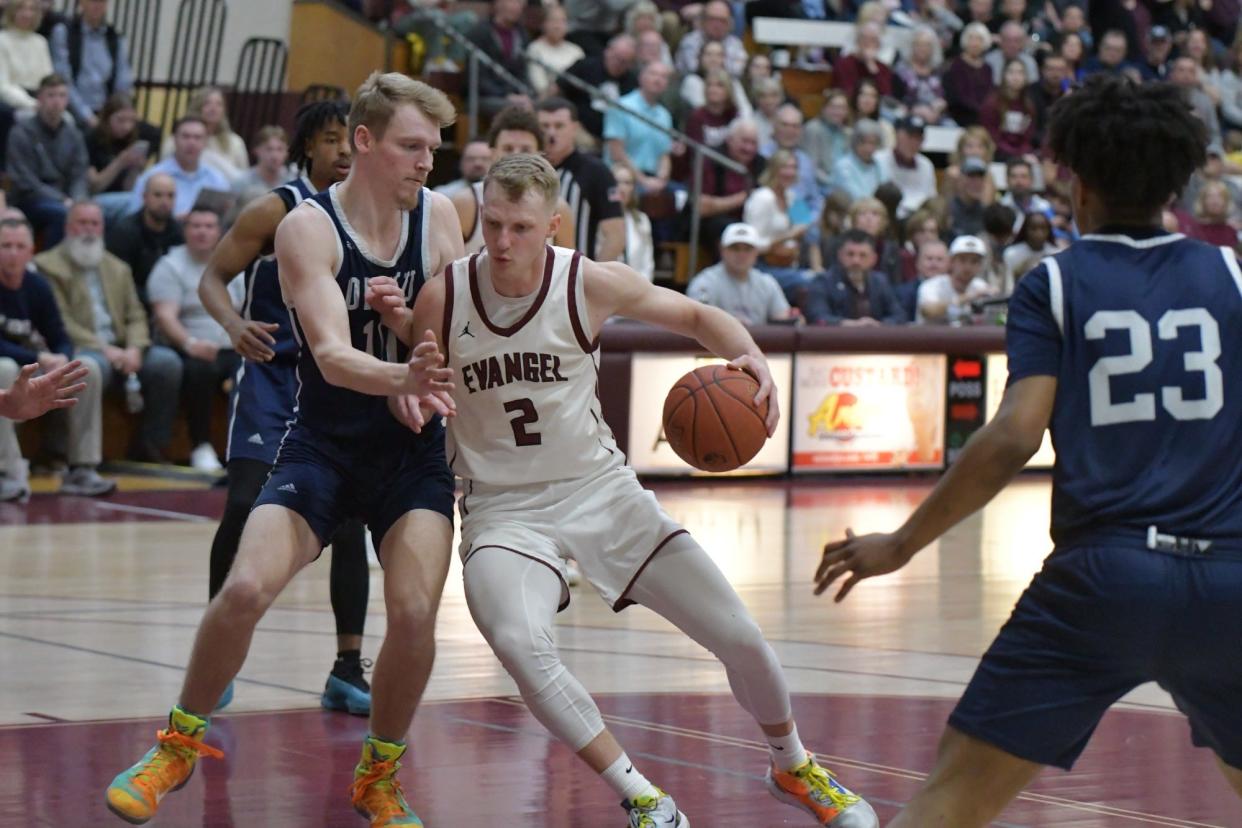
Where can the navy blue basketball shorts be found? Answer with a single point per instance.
(327, 485)
(264, 395)
(1097, 622)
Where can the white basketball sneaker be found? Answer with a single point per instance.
(814, 789)
(659, 811)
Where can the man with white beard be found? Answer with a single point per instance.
(107, 323)
(31, 332)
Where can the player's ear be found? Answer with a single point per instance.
(554, 224)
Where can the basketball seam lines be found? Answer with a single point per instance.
(749, 403)
(737, 456)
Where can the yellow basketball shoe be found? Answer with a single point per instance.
(135, 794)
(815, 790)
(376, 792)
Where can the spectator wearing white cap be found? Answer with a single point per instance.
(946, 299)
(907, 167)
(736, 286)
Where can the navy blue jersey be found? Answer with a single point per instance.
(264, 301)
(338, 412)
(1143, 331)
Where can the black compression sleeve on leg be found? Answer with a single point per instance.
(350, 579)
(246, 479)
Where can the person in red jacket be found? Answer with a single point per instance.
(863, 62)
(1009, 114)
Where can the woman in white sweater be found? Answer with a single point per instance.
(25, 58)
(639, 247)
(551, 49)
(781, 219)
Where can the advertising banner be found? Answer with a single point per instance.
(998, 374)
(868, 412)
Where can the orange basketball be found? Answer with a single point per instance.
(711, 420)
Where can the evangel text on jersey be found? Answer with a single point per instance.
(518, 367)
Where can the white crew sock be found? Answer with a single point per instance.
(787, 751)
(625, 779)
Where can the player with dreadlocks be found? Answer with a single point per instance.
(1128, 346)
(265, 391)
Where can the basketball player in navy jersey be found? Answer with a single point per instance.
(1128, 345)
(544, 480)
(266, 387)
(344, 456)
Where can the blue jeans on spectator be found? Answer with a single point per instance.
(46, 215)
(160, 376)
(115, 206)
(793, 280)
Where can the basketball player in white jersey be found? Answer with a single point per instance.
(544, 479)
(515, 130)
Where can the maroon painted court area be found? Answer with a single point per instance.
(487, 763)
(120, 507)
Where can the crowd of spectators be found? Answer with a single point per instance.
(105, 228)
(839, 196)
(832, 212)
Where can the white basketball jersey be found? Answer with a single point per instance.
(474, 241)
(527, 377)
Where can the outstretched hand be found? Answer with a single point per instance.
(861, 558)
(429, 387)
(427, 371)
(386, 298)
(31, 396)
(415, 412)
(757, 367)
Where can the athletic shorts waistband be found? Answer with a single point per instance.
(1156, 539)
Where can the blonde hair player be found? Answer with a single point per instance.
(344, 456)
(544, 480)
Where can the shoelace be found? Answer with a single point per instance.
(159, 774)
(645, 807)
(380, 772)
(823, 787)
(356, 672)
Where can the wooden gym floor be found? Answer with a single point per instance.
(100, 600)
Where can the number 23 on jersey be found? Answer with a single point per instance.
(1142, 408)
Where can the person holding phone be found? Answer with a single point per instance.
(119, 148)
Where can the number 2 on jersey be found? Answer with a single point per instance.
(527, 415)
(1143, 407)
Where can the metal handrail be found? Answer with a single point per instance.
(477, 55)
(697, 148)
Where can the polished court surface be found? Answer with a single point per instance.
(100, 599)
